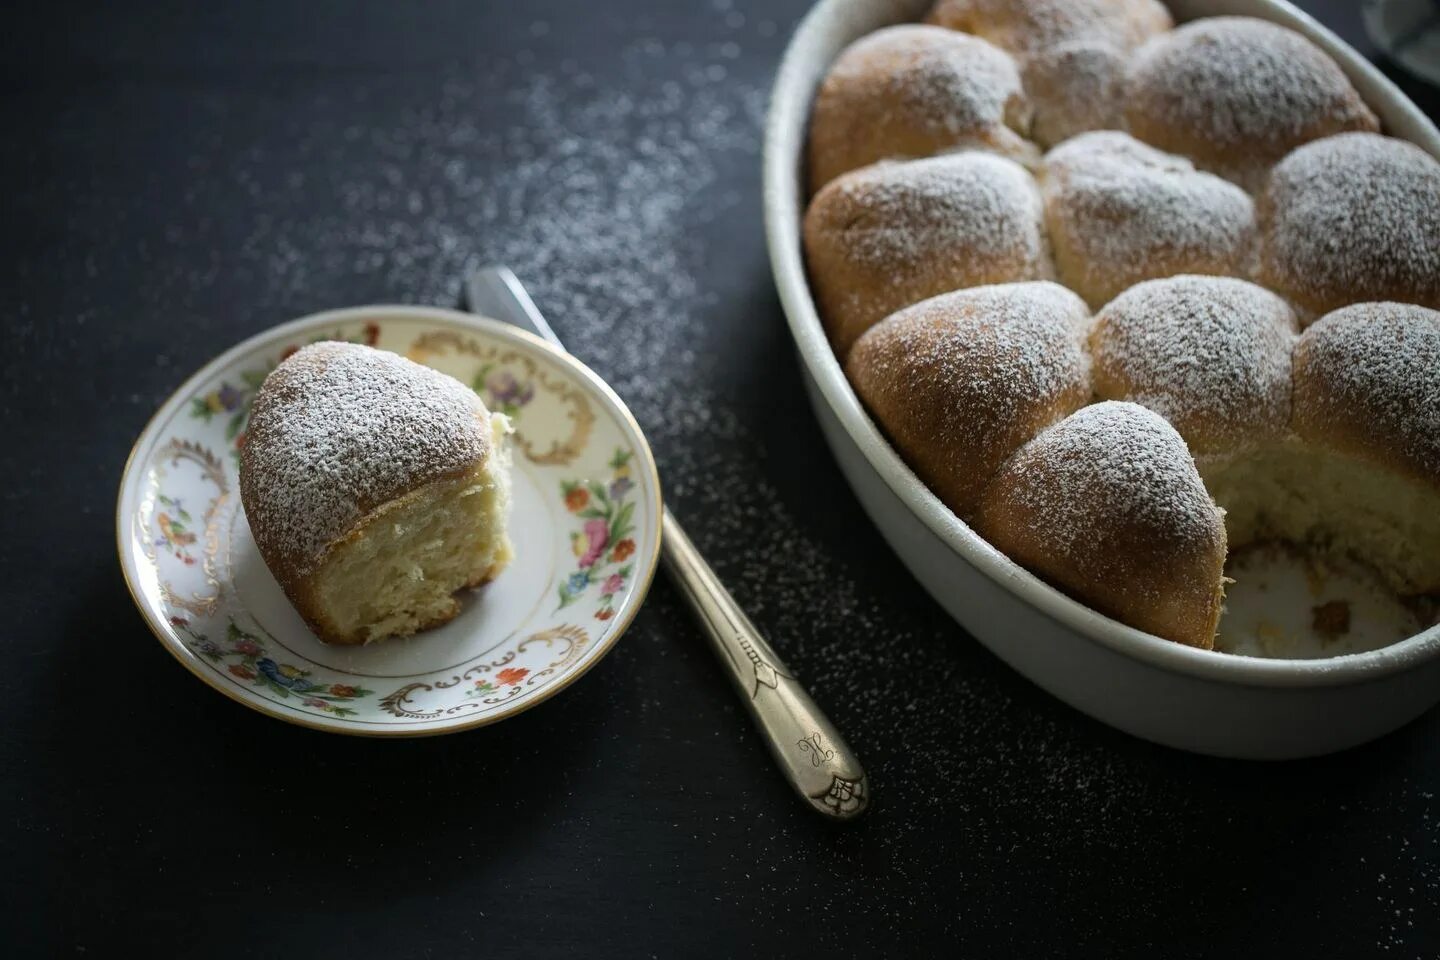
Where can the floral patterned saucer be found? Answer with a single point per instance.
(585, 521)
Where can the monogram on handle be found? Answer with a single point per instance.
(808, 748)
(813, 755)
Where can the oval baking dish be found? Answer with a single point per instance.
(1193, 699)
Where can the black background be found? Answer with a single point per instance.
(180, 176)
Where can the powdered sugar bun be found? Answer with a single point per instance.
(1236, 94)
(376, 490)
(889, 235)
(1072, 53)
(1108, 506)
(339, 429)
(1367, 382)
(961, 380)
(1120, 212)
(1025, 27)
(915, 91)
(1352, 218)
(1074, 87)
(1209, 354)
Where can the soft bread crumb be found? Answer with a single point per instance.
(400, 571)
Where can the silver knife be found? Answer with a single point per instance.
(806, 745)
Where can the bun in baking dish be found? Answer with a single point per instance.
(1025, 27)
(1367, 417)
(914, 91)
(1236, 94)
(1072, 53)
(1119, 212)
(892, 234)
(1209, 354)
(959, 381)
(1107, 505)
(1351, 218)
(376, 488)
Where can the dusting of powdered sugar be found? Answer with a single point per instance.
(1376, 366)
(961, 380)
(338, 429)
(1210, 354)
(1075, 87)
(1109, 460)
(912, 90)
(971, 207)
(1353, 217)
(1120, 212)
(1236, 94)
(1027, 26)
(892, 234)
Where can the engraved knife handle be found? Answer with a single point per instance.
(808, 748)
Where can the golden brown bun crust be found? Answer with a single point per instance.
(1367, 383)
(1107, 505)
(1027, 26)
(915, 91)
(339, 433)
(1236, 94)
(889, 235)
(1072, 53)
(1350, 219)
(960, 381)
(1120, 212)
(1209, 354)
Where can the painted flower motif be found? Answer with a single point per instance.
(241, 671)
(620, 487)
(597, 533)
(227, 399)
(179, 622)
(507, 391)
(482, 687)
(174, 530)
(512, 675)
(343, 690)
(209, 648)
(372, 333)
(604, 614)
(316, 702)
(247, 646)
(230, 397)
(606, 518)
(290, 671)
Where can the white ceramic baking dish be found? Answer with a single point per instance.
(1193, 699)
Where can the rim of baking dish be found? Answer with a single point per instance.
(784, 139)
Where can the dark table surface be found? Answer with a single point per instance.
(180, 176)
